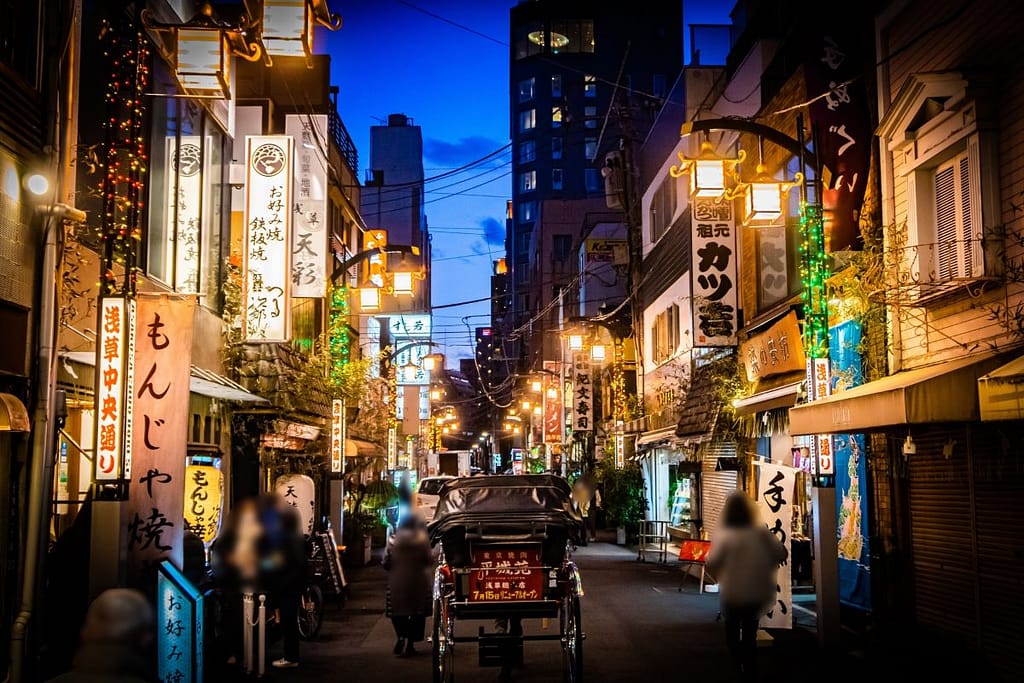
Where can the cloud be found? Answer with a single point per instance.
(458, 153)
(494, 232)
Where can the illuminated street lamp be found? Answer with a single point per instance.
(575, 342)
(597, 352)
(369, 298)
(762, 203)
(707, 172)
(536, 385)
(402, 283)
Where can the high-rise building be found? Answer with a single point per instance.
(585, 78)
(392, 200)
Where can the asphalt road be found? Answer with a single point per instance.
(638, 627)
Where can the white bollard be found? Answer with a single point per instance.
(247, 609)
(262, 635)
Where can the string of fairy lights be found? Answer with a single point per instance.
(123, 184)
(814, 273)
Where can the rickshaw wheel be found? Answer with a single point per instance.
(572, 639)
(443, 646)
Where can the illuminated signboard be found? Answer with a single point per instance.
(309, 205)
(110, 384)
(267, 242)
(184, 211)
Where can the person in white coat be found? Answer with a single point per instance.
(744, 558)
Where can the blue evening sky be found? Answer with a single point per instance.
(445, 64)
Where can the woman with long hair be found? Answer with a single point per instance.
(744, 558)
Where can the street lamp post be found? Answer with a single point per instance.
(762, 202)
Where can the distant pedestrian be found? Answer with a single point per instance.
(407, 561)
(587, 500)
(285, 571)
(117, 641)
(744, 558)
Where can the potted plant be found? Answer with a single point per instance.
(359, 528)
(622, 496)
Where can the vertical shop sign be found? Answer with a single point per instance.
(851, 477)
(110, 387)
(299, 491)
(620, 447)
(337, 435)
(309, 206)
(552, 404)
(160, 390)
(267, 245)
(392, 447)
(184, 177)
(824, 467)
(832, 67)
(583, 393)
(774, 270)
(714, 272)
(204, 496)
(775, 498)
(180, 629)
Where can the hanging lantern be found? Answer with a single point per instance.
(299, 491)
(288, 28)
(435, 394)
(707, 172)
(403, 283)
(764, 198)
(204, 495)
(369, 298)
(575, 342)
(202, 61)
(597, 353)
(535, 385)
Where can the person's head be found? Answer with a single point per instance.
(119, 615)
(739, 511)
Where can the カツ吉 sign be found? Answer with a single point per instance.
(714, 273)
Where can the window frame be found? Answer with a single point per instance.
(531, 82)
(527, 120)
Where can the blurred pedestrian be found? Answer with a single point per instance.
(744, 559)
(235, 568)
(587, 500)
(284, 571)
(117, 640)
(407, 561)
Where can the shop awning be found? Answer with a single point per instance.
(1001, 392)
(13, 415)
(779, 397)
(944, 392)
(202, 382)
(357, 448)
(656, 437)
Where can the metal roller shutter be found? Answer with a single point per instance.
(942, 547)
(715, 486)
(997, 451)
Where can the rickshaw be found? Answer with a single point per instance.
(506, 555)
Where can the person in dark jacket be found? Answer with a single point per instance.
(116, 641)
(744, 558)
(407, 561)
(284, 568)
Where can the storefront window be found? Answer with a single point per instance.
(187, 196)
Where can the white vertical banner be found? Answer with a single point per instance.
(775, 489)
(111, 373)
(184, 178)
(821, 384)
(393, 447)
(160, 389)
(309, 204)
(714, 272)
(583, 393)
(267, 242)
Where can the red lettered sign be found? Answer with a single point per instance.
(506, 573)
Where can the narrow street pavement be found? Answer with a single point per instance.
(639, 627)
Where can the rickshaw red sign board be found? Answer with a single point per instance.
(506, 573)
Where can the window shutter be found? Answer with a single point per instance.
(970, 182)
(946, 233)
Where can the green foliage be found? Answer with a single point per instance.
(622, 492)
(366, 522)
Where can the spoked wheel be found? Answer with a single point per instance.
(311, 612)
(572, 639)
(443, 635)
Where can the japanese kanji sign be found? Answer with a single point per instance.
(832, 66)
(714, 273)
(267, 244)
(156, 493)
(299, 491)
(775, 499)
(583, 393)
(820, 383)
(204, 495)
(774, 270)
(184, 178)
(777, 350)
(338, 435)
(392, 447)
(309, 204)
(112, 376)
(179, 627)
(552, 404)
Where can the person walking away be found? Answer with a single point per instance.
(744, 558)
(582, 495)
(407, 561)
(117, 640)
